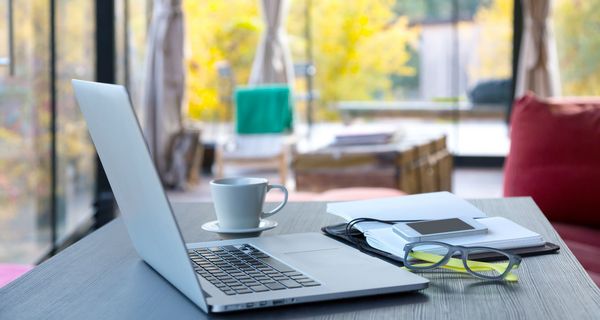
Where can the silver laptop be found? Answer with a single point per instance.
(228, 275)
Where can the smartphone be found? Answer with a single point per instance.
(438, 229)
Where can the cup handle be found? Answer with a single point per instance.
(280, 206)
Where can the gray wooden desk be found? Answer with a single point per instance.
(101, 277)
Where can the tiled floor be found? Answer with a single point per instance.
(467, 183)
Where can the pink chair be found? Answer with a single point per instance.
(10, 272)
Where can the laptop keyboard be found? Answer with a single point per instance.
(241, 269)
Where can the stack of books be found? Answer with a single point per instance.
(362, 136)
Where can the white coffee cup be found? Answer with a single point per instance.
(239, 201)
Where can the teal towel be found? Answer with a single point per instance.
(263, 109)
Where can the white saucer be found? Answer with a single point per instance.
(213, 226)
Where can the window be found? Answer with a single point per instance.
(576, 24)
(76, 166)
(25, 177)
(446, 65)
(28, 198)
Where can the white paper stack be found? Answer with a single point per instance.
(425, 206)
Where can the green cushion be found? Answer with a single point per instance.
(263, 109)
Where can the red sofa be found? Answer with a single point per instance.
(555, 158)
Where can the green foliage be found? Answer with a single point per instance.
(219, 31)
(577, 26)
(355, 48)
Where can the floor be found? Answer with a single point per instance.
(468, 183)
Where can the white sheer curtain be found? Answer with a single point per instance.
(538, 62)
(164, 87)
(273, 60)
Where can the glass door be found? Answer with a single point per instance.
(47, 162)
(25, 136)
(75, 162)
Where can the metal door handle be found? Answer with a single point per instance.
(10, 60)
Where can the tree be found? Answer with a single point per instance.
(577, 26)
(357, 47)
(218, 31)
(494, 47)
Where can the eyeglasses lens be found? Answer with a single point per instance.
(485, 270)
(425, 255)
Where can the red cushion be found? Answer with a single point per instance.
(584, 242)
(555, 157)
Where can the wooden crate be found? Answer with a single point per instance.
(411, 165)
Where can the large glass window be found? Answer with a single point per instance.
(76, 166)
(25, 177)
(28, 107)
(441, 66)
(132, 18)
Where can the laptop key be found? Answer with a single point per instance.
(274, 286)
(242, 291)
(237, 286)
(310, 284)
(263, 278)
(290, 283)
(229, 292)
(277, 265)
(259, 288)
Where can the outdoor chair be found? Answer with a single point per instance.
(263, 116)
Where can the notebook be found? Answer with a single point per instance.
(381, 240)
(502, 234)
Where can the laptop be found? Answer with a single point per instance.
(227, 275)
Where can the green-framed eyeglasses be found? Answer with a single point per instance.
(427, 255)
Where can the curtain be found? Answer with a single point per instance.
(538, 63)
(164, 86)
(273, 60)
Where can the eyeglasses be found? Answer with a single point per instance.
(427, 255)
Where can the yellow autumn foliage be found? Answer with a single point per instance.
(576, 25)
(355, 48)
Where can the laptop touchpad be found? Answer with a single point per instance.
(323, 258)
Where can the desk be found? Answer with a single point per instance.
(101, 277)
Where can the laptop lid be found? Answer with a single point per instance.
(142, 201)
